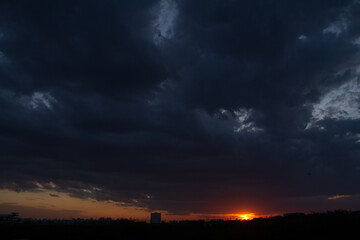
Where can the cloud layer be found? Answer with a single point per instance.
(182, 106)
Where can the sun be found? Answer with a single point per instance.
(246, 217)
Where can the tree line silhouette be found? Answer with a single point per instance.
(334, 224)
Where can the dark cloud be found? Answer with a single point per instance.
(34, 212)
(80, 46)
(212, 119)
(54, 195)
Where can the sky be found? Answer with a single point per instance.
(190, 108)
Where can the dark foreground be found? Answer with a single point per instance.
(338, 224)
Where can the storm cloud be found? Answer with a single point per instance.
(183, 106)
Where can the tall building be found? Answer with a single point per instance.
(155, 218)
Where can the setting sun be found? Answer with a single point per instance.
(248, 216)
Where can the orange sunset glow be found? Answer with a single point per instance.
(247, 216)
(50, 204)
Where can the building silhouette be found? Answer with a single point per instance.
(9, 218)
(155, 218)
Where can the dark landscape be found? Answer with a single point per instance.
(330, 225)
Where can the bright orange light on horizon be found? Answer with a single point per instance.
(247, 216)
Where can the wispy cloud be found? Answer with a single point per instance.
(338, 197)
(337, 27)
(38, 100)
(165, 21)
(340, 104)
